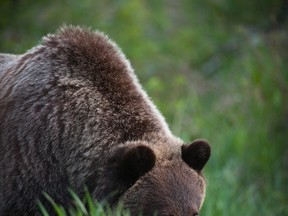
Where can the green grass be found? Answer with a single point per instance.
(85, 207)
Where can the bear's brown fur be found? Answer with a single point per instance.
(72, 114)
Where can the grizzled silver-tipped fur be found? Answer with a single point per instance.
(73, 114)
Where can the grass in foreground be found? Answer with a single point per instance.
(85, 207)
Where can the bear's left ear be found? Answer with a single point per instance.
(196, 154)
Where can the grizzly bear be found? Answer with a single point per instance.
(73, 115)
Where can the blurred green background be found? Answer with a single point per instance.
(217, 69)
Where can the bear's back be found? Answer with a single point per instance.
(67, 103)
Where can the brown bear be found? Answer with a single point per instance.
(73, 115)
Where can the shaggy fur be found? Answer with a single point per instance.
(72, 114)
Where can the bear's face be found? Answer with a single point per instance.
(171, 187)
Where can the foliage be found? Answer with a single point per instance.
(216, 69)
(84, 207)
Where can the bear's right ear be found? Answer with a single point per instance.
(123, 168)
(136, 161)
(133, 162)
(196, 154)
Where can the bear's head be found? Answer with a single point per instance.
(145, 184)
